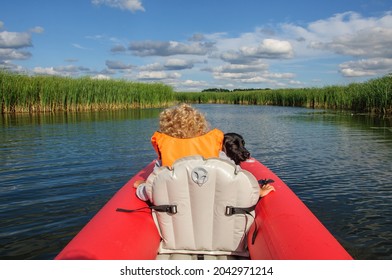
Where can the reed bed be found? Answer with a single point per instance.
(22, 93)
(373, 96)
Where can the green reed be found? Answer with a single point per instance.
(23, 93)
(373, 96)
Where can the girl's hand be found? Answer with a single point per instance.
(137, 183)
(266, 189)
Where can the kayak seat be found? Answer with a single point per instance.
(203, 207)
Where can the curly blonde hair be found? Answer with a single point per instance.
(183, 121)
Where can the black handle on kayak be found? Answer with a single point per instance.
(265, 181)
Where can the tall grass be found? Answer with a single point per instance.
(22, 93)
(373, 96)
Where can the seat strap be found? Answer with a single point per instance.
(230, 210)
(171, 209)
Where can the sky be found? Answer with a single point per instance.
(195, 45)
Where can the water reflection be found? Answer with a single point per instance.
(77, 117)
(340, 165)
(57, 170)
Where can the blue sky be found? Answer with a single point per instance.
(194, 45)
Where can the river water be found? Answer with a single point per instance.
(58, 170)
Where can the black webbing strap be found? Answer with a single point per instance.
(171, 209)
(231, 210)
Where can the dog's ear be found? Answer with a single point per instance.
(234, 147)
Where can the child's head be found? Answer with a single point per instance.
(183, 121)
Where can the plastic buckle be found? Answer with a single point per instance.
(229, 211)
(172, 209)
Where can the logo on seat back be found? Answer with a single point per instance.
(199, 175)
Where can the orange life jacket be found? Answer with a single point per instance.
(169, 149)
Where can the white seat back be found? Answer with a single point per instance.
(201, 190)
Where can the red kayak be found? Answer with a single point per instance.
(287, 229)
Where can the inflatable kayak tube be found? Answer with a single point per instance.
(286, 228)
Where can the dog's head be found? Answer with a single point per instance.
(234, 147)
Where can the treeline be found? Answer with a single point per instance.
(215, 90)
(227, 90)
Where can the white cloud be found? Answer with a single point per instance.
(364, 41)
(101, 77)
(252, 77)
(193, 83)
(197, 37)
(352, 45)
(279, 75)
(189, 85)
(347, 34)
(178, 64)
(130, 5)
(244, 56)
(169, 48)
(45, 71)
(370, 42)
(241, 68)
(67, 70)
(269, 48)
(254, 52)
(246, 59)
(79, 47)
(15, 39)
(7, 65)
(37, 29)
(152, 67)
(13, 54)
(118, 65)
(366, 67)
(12, 45)
(356, 73)
(170, 64)
(118, 49)
(157, 75)
(339, 24)
(235, 57)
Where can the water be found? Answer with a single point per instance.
(58, 170)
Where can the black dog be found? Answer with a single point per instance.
(234, 147)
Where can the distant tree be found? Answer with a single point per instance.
(250, 89)
(215, 90)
